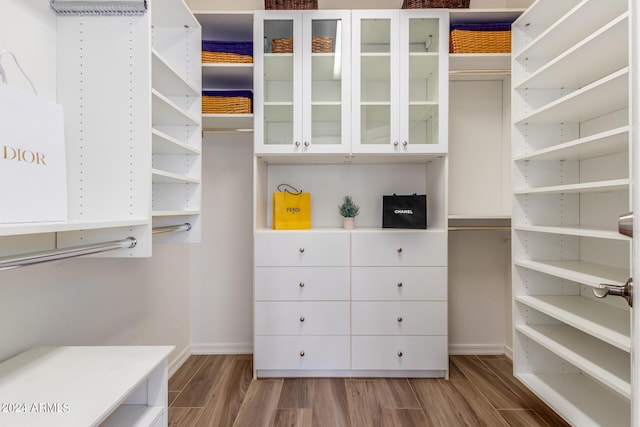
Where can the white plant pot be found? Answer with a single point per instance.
(349, 223)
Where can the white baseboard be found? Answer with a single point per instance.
(476, 349)
(508, 351)
(179, 361)
(223, 348)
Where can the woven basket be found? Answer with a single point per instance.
(290, 4)
(427, 4)
(225, 57)
(215, 102)
(480, 38)
(318, 45)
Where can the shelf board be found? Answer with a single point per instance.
(582, 231)
(166, 80)
(227, 76)
(164, 13)
(164, 177)
(165, 144)
(479, 64)
(583, 20)
(587, 273)
(227, 122)
(578, 67)
(604, 322)
(165, 214)
(581, 400)
(582, 188)
(606, 364)
(61, 227)
(166, 113)
(609, 94)
(601, 144)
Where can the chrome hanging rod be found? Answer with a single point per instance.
(172, 228)
(56, 254)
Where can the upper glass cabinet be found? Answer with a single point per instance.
(302, 82)
(400, 86)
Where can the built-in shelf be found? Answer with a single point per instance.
(606, 323)
(227, 122)
(168, 81)
(157, 214)
(582, 231)
(584, 187)
(163, 177)
(587, 273)
(165, 144)
(227, 76)
(61, 227)
(169, 113)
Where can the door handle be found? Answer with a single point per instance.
(625, 291)
(625, 224)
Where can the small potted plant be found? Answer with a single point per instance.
(349, 211)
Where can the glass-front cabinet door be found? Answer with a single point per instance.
(400, 87)
(301, 81)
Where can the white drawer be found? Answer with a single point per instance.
(301, 283)
(399, 353)
(284, 248)
(399, 283)
(399, 318)
(301, 352)
(388, 248)
(301, 318)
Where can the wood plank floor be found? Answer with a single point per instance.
(219, 391)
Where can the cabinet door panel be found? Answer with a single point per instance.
(399, 353)
(302, 318)
(302, 249)
(301, 352)
(399, 318)
(399, 283)
(301, 283)
(399, 249)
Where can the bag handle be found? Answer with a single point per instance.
(3, 76)
(295, 192)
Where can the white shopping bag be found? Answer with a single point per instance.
(33, 181)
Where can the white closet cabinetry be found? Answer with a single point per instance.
(571, 182)
(303, 92)
(400, 83)
(130, 88)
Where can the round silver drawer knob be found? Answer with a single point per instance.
(405, 143)
(400, 284)
(297, 143)
(399, 250)
(306, 143)
(301, 284)
(302, 318)
(399, 319)
(302, 354)
(399, 354)
(301, 250)
(395, 143)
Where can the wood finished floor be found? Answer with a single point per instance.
(219, 391)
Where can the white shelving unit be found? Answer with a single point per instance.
(82, 386)
(571, 181)
(130, 88)
(227, 26)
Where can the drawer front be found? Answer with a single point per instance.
(301, 283)
(400, 353)
(291, 249)
(401, 249)
(301, 318)
(399, 283)
(399, 318)
(301, 352)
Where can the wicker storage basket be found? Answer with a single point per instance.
(227, 51)
(318, 45)
(290, 4)
(426, 4)
(227, 102)
(480, 38)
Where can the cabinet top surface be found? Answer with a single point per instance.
(73, 385)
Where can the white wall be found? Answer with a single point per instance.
(222, 265)
(83, 301)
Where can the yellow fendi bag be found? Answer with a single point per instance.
(291, 210)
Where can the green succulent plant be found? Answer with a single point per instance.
(348, 209)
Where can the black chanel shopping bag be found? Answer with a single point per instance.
(404, 211)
